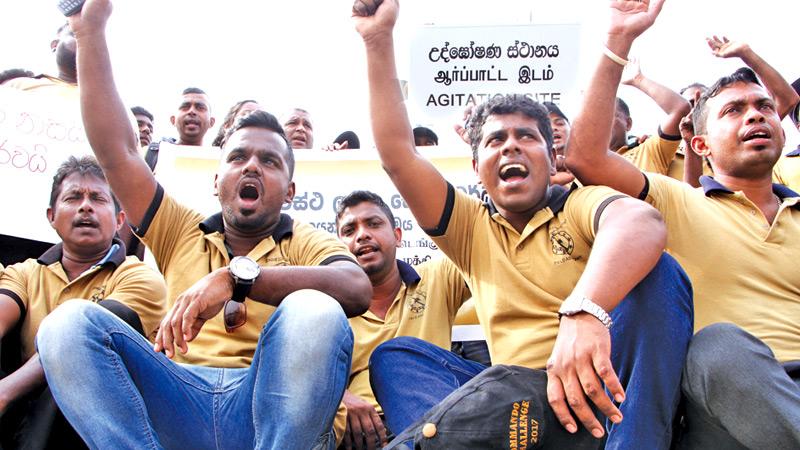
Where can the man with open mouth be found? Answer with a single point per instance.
(258, 301)
(737, 237)
(550, 271)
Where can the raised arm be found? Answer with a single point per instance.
(588, 156)
(420, 184)
(668, 100)
(582, 351)
(785, 96)
(105, 117)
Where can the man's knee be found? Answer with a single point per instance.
(717, 352)
(311, 313)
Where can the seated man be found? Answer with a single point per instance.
(417, 301)
(89, 264)
(270, 370)
(530, 255)
(737, 238)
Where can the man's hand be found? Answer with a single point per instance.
(578, 367)
(632, 73)
(631, 18)
(461, 128)
(375, 18)
(92, 18)
(335, 146)
(364, 425)
(724, 48)
(192, 309)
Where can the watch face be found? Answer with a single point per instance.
(244, 268)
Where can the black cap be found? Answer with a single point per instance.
(350, 137)
(503, 407)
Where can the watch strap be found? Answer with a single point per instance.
(241, 289)
(575, 304)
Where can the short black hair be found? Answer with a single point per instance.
(622, 106)
(265, 120)
(10, 74)
(84, 165)
(552, 108)
(425, 132)
(193, 90)
(503, 105)
(700, 86)
(700, 114)
(140, 111)
(356, 198)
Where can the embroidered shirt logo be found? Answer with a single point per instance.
(98, 294)
(562, 242)
(416, 304)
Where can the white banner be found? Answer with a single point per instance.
(322, 179)
(452, 67)
(37, 133)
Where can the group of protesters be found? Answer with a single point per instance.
(634, 292)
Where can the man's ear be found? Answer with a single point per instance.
(216, 186)
(120, 219)
(289, 193)
(53, 45)
(700, 146)
(172, 120)
(398, 237)
(212, 121)
(629, 123)
(51, 217)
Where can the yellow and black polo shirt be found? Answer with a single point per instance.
(787, 170)
(40, 285)
(188, 246)
(655, 154)
(743, 270)
(519, 280)
(425, 307)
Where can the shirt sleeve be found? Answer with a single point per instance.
(585, 206)
(143, 290)
(166, 226)
(14, 283)
(655, 154)
(454, 233)
(312, 247)
(457, 290)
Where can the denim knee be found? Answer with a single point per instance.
(63, 330)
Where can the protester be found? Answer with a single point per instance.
(144, 120)
(419, 301)
(267, 372)
(89, 265)
(299, 129)
(787, 170)
(66, 83)
(425, 137)
(238, 110)
(523, 253)
(736, 238)
(560, 125)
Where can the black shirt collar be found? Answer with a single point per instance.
(558, 198)
(407, 273)
(710, 186)
(215, 224)
(115, 255)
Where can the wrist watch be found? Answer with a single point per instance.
(575, 304)
(244, 272)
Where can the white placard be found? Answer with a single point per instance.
(453, 67)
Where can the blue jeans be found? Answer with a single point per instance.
(738, 396)
(118, 393)
(651, 332)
